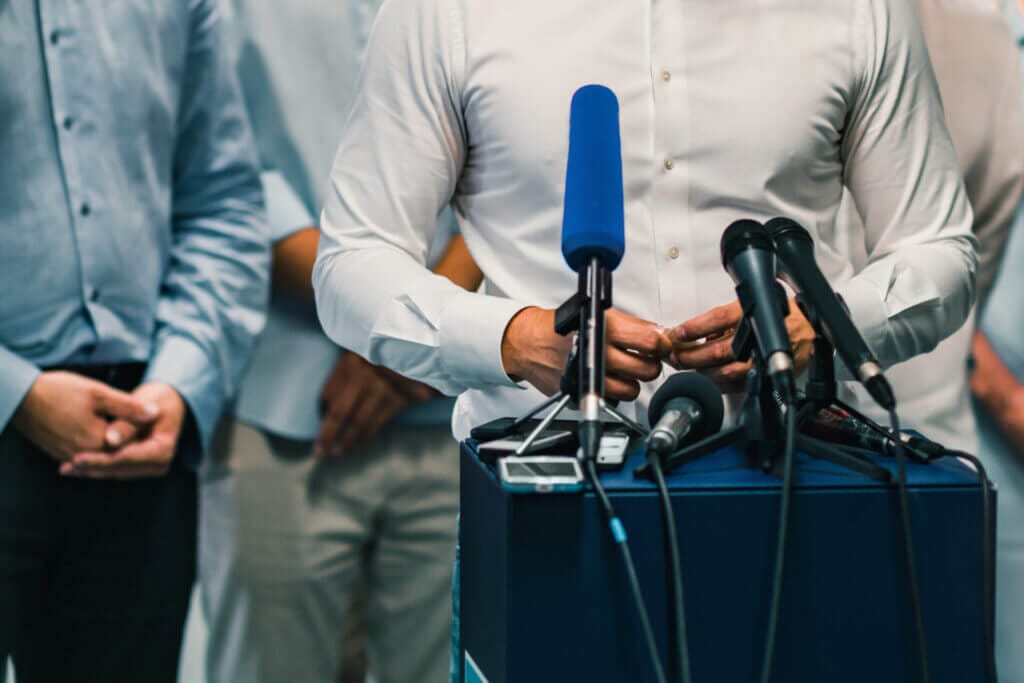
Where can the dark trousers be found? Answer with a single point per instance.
(95, 576)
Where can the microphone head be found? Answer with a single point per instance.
(701, 391)
(782, 229)
(593, 222)
(741, 235)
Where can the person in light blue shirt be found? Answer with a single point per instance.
(133, 269)
(334, 473)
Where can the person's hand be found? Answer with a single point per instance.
(704, 344)
(64, 414)
(531, 350)
(146, 452)
(358, 399)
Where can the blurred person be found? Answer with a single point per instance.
(976, 64)
(134, 261)
(335, 474)
(997, 382)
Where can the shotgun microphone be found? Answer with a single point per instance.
(593, 239)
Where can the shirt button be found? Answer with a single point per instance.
(93, 293)
(54, 38)
(669, 164)
(673, 253)
(68, 122)
(666, 76)
(85, 209)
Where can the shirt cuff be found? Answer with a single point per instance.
(286, 212)
(870, 315)
(17, 376)
(181, 363)
(472, 327)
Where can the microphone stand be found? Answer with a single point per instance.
(583, 313)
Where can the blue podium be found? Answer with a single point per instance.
(544, 595)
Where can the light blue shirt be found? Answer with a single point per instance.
(131, 215)
(298, 63)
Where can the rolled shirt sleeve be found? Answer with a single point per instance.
(17, 376)
(214, 292)
(917, 287)
(400, 157)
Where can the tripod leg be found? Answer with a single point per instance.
(525, 446)
(546, 404)
(735, 436)
(622, 419)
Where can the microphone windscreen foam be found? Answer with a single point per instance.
(593, 222)
(701, 391)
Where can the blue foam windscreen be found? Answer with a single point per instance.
(593, 222)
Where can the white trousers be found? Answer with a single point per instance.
(284, 538)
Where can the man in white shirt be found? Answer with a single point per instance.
(728, 110)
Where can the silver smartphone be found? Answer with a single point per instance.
(540, 474)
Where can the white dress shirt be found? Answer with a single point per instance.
(976, 63)
(736, 109)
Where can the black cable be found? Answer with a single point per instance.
(780, 550)
(672, 540)
(619, 534)
(908, 545)
(988, 547)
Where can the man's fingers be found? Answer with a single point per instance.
(632, 366)
(627, 332)
(337, 416)
(621, 389)
(119, 405)
(328, 433)
(714, 321)
(120, 432)
(367, 421)
(708, 355)
(728, 375)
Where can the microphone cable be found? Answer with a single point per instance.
(780, 550)
(908, 545)
(988, 542)
(676, 566)
(619, 534)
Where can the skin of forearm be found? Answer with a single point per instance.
(295, 255)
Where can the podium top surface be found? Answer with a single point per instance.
(730, 468)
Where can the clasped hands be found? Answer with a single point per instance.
(97, 432)
(637, 348)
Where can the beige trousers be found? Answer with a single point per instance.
(284, 539)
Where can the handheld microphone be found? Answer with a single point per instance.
(593, 239)
(748, 255)
(838, 427)
(797, 267)
(686, 408)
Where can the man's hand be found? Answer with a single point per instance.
(64, 414)
(704, 344)
(147, 452)
(531, 350)
(359, 398)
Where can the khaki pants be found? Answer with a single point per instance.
(284, 538)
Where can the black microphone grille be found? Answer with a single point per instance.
(783, 228)
(741, 235)
(699, 389)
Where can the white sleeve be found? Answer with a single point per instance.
(917, 287)
(401, 154)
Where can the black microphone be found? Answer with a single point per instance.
(593, 241)
(686, 408)
(748, 255)
(797, 267)
(838, 427)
